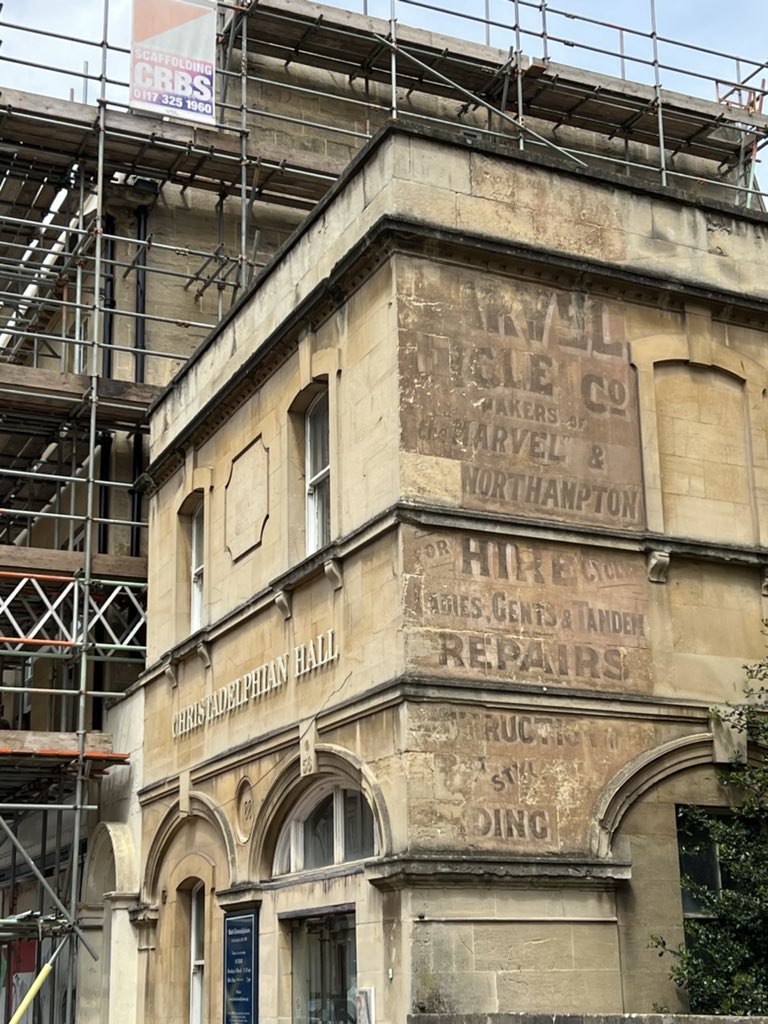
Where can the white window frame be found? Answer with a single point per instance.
(289, 851)
(196, 953)
(713, 857)
(316, 538)
(196, 565)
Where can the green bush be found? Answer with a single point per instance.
(723, 965)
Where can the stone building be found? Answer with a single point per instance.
(455, 537)
(455, 524)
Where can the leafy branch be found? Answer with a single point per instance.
(722, 964)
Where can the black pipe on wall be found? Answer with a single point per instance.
(109, 294)
(105, 471)
(140, 334)
(139, 344)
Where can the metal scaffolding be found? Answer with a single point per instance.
(96, 318)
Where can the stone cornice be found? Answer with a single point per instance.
(392, 235)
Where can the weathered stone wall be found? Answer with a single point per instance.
(252, 471)
(525, 390)
(549, 483)
(506, 201)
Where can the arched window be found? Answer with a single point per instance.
(196, 567)
(309, 461)
(331, 825)
(196, 953)
(191, 563)
(318, 474)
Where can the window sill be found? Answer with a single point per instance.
(352, 867)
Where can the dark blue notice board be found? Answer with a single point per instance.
(240, 968)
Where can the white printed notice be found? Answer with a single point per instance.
(173, 58)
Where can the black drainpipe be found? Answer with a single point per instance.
(137, 470)
(139, 344)
(109, 294)
(102, 546)
(139, 340)
(105, 464)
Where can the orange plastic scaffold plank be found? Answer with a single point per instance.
(37, 643)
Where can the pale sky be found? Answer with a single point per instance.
(741, 30)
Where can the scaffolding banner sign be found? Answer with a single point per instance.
(173, 58)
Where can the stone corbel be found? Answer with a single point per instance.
(144, 918)
(334, 573)
(204, 653)
(145, 915)
(764, 581)
(284, 603)
(170, 673)
(122, 901)
(307, 746)
(91, 916)
(658, 566)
